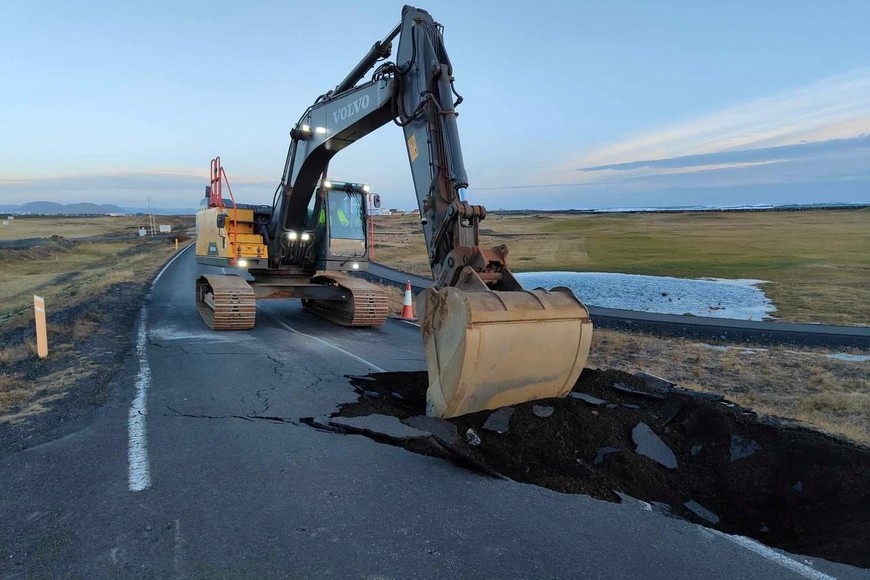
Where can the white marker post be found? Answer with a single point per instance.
(41, 333)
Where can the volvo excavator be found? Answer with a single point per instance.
(488, 342)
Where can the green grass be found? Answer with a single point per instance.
(70, 227)
(817, 263)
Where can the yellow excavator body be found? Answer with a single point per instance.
(236, 240)
(488, 349)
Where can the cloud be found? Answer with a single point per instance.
(744, 157)
(834, 108)
(811, 144)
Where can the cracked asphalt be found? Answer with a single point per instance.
(241, 488)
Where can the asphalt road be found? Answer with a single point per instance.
(198, 467)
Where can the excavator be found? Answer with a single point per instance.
(488, 342)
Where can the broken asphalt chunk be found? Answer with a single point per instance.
(741, 448)
(472, 437)
(655, 383)
(542, 411)
(702, 512)
(641, 392)
(594, 401)
(442, 430)
(715, 397)
(602, 453)
(378, 425)
(499, 420)
(650, 445)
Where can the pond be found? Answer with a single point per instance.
(716, 297)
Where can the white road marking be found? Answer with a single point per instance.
(330, 345)
(139, 472)
(776, 557)
(176, 560)
(137, 453)
(409, 322)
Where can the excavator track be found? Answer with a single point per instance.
(226, 302)
(368, 306)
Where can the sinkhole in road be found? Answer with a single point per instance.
(687, 454)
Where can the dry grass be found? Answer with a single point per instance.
(15, 353)
(67, 275)
(34, 397)
(802, 384)
(394, 297)
(11, 392)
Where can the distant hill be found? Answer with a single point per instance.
(53, 208)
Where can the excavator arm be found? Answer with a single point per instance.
(418, 95)
(488, 342)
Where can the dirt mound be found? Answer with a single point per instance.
(34, 248)
(694, 455)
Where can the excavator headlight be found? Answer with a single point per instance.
(292, 236)
(327, 184)
(305, 236)
(320, 130)
(366, 188)
(355, 266)
(301, 132)
(242, 263)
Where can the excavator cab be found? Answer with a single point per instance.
(340, 226)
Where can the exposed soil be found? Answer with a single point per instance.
(785, 485)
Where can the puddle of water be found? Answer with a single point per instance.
(849, 357)
(714, 297)
(167, 333)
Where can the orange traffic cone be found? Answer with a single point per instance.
(408, 304)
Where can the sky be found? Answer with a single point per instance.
(567, 104)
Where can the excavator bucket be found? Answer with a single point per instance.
(489, 349)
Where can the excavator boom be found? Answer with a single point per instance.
(488, 341)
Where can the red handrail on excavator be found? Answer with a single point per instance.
(216, 198)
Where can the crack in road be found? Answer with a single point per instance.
(277, 367)
(316, 382)
(158, 344)
(251, 418)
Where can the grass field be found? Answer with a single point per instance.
(71, 227)
(91, 258)
(800, 383)
(816, 263)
